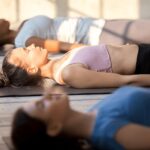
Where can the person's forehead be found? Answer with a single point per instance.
(17, 55)
(14, 59)
(30, 106)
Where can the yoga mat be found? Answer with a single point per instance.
(4, 48)
(36, 91)
(1, 53)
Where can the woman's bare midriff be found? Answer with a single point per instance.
(123, 58)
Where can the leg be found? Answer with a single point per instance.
(126, 31)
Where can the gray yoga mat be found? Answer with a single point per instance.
(36, 91)
(4, 48)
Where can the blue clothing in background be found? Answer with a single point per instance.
(66, 29)
(38, 26)
(126, 105)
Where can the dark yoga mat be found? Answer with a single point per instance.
(4, 48)
(36, 91)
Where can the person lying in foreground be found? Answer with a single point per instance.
(99, 66)
(121, 121)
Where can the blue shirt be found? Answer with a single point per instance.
(38, 26)
(80, 30)
(126, 105)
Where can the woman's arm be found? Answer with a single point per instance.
(52, 46)
(80, 77)
(134, 136)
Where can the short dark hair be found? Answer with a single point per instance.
(29, 133)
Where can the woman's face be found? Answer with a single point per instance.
(29, 56)
(52, 108)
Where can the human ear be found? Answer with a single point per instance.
(54, 129)
(32, 70)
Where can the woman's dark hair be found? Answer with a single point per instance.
(30, 133)
(16, 76)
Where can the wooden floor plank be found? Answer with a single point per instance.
(4, 132)
(3, 147)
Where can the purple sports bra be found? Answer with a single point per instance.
(94, 57)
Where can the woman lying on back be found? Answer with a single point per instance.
(83, 67)
(121, 121)
(43, 31)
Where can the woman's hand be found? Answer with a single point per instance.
(53, 46)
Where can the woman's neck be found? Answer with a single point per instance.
(49, 69)
(79, 124)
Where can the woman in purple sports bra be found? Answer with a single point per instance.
(83, 67)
